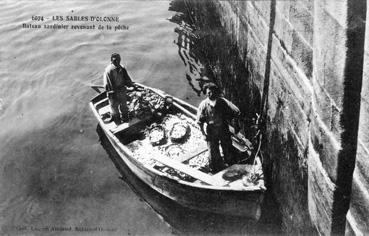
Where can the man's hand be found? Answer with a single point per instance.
(203, 131)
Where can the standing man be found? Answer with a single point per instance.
(216, 112)
(116, 79)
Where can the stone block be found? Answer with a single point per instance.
(320, 192)
(336, 9)
(359, 208)
(326, 146)
(349, 231)
(302, 53)
(273, 102)
(255, 77)
(283, 8)
(257, 24)
(301, 18)
(365, 82)
(298, 122)
(283, 97)
(366, 54)
(352, 227)
(256, 55)
(329, 55)
(293, 78)
(277, 112)
(263, 9)
(323, 105)
(362, 165)
(242, 7)
(364, 121)
(284, 30)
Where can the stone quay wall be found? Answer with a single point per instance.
(307, 60)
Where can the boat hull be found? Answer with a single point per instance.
(228, 202)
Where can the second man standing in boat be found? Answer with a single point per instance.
(116, 79)
(216, 112)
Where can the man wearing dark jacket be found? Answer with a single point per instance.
(216, 112)
(116, 79)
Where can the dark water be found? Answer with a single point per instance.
(55, 173)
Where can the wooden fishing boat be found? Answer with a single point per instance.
(165, 149)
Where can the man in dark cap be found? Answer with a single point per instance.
(116, 79)
(216, 112)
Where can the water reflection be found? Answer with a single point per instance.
(207, 49)
(186, 41)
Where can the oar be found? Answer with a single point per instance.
(97, 87)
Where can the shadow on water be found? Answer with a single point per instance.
(185, 221)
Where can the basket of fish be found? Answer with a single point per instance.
(157, 135)
(179, 132)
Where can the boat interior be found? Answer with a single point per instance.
(170, 141)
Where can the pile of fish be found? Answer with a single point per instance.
(144, 103)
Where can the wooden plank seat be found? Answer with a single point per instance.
(193, 154)
(206, 178)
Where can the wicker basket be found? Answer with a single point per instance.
(179, 132)
(157, 135)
